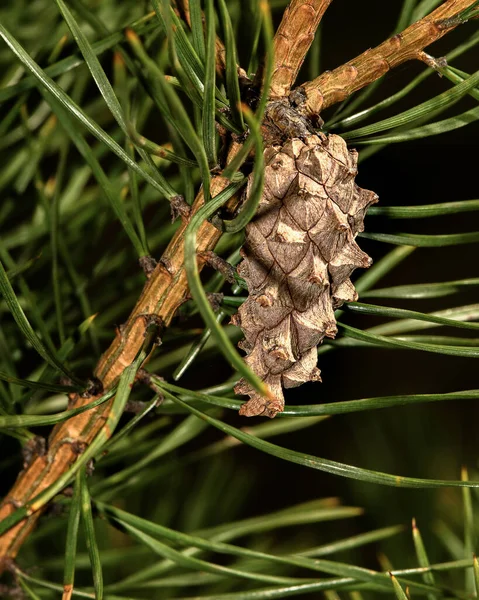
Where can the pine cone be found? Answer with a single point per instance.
(299, 253)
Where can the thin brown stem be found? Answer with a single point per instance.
(165, 290)
(335, 86)
(292, 40)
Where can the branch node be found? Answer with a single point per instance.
(78, 446)
(143, 376)
(165, 264)
(152, 319)
(37, 446)
(179, 208)
(95, 388)
(283, 122)
(435, 63)
(217, 222)
(219, 264)
(148, 264)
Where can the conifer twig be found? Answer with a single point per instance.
(163, 293)
(335, 86)
(166, 288)
(292, 40)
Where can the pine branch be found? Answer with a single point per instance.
(335, 86)
(292, 40)
(164, 292)
(166, 288)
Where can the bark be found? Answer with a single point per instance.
(163, 293)
(292, 40)
(335, 86)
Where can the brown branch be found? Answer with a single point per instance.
(334, 86)
(167, 287)
(162, 294)
(292, 40)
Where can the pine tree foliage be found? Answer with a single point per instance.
(118, 362)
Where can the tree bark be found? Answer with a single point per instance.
(292, 40)
(335, 86)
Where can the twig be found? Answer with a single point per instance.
(164, 292)
(292, 40)
(166, 288)
(335, 86)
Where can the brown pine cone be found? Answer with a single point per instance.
(299, 253)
